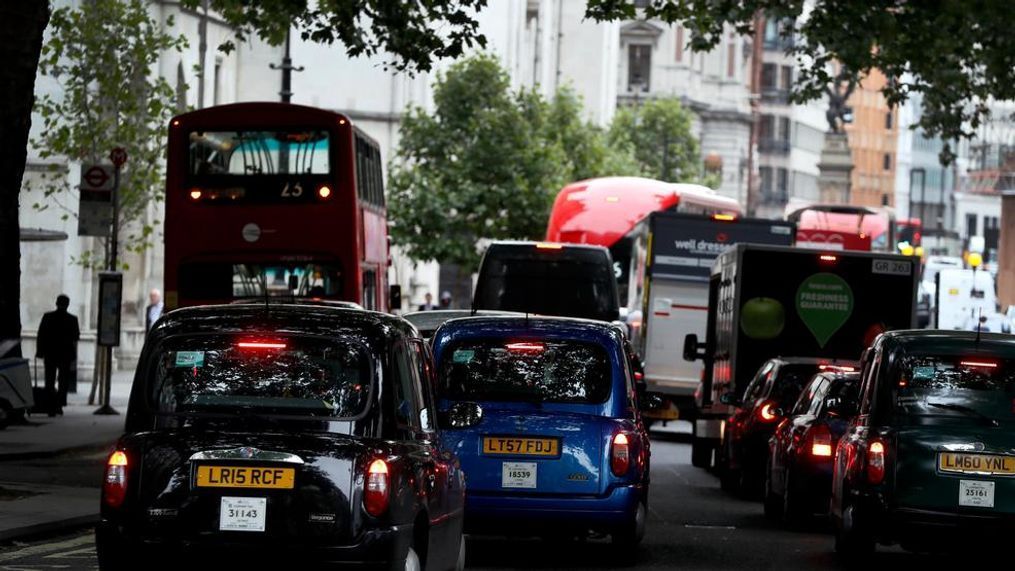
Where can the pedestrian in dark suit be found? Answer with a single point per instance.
(154, 309)
(58, 347)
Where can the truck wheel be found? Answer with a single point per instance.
(701, 453)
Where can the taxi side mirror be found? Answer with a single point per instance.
(462, 415)
(692, 349)
(394, 297)
(729, 399)
(649, 402)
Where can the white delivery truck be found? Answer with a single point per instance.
(963, 297)
(672, 256)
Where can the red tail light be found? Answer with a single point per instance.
(876, 462)
(767, 412)
(377, 490)
(114, 486)
(820, 441)
(620, 455)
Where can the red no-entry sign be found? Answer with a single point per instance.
(119, 156)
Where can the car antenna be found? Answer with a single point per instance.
(979, 325)
(264, 289)
(526, 319)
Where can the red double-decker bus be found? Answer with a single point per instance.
(273, 200)
(602, 211)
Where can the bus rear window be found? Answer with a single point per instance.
(531, 371)
(251, 153)
(228, 280)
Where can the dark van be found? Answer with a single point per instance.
(568, 280)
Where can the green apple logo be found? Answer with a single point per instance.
(762, 318)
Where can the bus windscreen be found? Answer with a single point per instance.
(252, 153)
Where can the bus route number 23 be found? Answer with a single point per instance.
(294, 190)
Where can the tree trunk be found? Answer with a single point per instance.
(21, 25)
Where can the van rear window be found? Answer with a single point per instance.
(575, 283)
(534, 371)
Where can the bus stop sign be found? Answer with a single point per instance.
(95, 208)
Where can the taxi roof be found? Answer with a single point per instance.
(323, 320)
(951, 342)
(532, 325)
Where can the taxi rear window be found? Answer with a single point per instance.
(534, 371)
(290, 375)
(964, 389)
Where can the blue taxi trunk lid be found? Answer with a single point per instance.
(517, 433)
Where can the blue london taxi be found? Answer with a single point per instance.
(543, 413)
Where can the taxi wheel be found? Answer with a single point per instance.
(852, 542)
(793, 509)
(701, 453)
(627, 538)
(412, 561)
(773, 503)
(460, 563)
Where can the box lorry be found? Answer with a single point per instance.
(672, 256)
(770, 301)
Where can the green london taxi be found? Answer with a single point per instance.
(929, 462)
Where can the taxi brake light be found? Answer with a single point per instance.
(876, 462)
(526, 347)
(986, 364)
(376, 494)
(620, 454)
(260, 345)
(638, 376)
(821, 441)
(724, 217)
(114, 485)
(549, 246)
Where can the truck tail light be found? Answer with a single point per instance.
(377, 493)
(114, 485)
(876, 462)
(820, 439)
(620, 454)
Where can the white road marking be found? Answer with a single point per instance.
(47, 548)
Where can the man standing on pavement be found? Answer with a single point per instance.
(427, 304)
(58, 346)
(153, 312)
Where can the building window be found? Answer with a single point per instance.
(639, 66)
(217, 85)
(768, 79)
(888, 119)
(782, 185)
(970, 225)
(888, 162)
(680, 44)
(731, 58)
(787, 77)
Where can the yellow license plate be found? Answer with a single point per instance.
(521, 446)
(976, 463)
(246, 477)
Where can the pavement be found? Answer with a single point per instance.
(29, 508)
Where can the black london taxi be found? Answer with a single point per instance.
(305, 433)
(929, 461)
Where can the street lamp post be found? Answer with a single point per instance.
(287, 68)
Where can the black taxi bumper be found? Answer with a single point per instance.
(384, 548)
